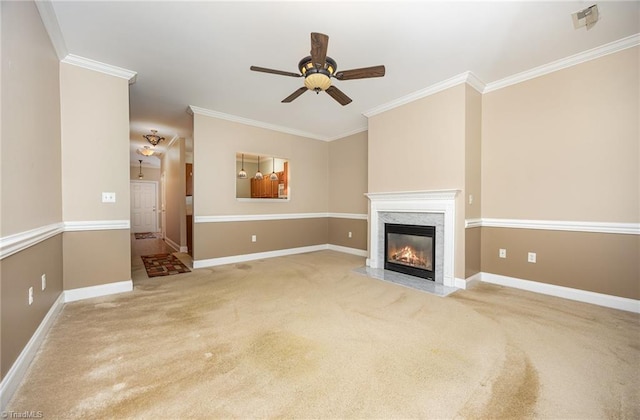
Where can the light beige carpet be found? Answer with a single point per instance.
(305, 337)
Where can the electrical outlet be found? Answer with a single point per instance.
(44, 281)
(253, 238)
(350, 234)
(470, 198)
(108, 197)
(531, 257)
(30, 295)
(502, 253)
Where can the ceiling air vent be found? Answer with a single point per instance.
(586, 17)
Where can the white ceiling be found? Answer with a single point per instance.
(199, 53)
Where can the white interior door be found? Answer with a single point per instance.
(144, 199)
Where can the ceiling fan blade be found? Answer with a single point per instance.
(294, 95)
(280, 72)
(338, 95)
(363, 73)
(319, 44)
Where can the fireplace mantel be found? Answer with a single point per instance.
(436, 201)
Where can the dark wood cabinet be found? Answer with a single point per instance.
(190, 234)
(265, 188)
(189, 173)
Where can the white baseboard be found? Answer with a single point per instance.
(471, 280)
(95, 291)
(257, 256)
(172, 244)
(16, 373)
(609, 301)
(460, 283)
(347, 250)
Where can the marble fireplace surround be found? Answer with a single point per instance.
(435, 208)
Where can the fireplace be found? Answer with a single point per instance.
(410, 249)
(420, 208)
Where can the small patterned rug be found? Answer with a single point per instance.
(163, 265)
(145, 235)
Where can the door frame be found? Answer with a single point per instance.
(155, 184)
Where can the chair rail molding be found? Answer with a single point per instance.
(564, 225)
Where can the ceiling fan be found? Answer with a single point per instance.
(318, 69)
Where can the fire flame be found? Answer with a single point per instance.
(408, 256)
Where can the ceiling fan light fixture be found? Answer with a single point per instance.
(153, 138)
(318, 69)
(317, 82)
(317, 78)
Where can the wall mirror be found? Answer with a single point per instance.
(261, 177)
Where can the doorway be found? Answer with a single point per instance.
(144, 205)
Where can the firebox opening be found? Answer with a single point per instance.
(410, 249)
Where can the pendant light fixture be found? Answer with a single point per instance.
(258, 174)
(140, 175)
(146, 151)
(273, 176)
(242, 174)
(153, 138)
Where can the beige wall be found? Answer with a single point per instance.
(472, 195)
(421, 146)
(473, 251)
(150, 174)
(565, 146)
(597, 262)
(30, 174)
(339, 229)
(224, 239)
(215, 144)
(92, 258)
(348, 174)
(175, 189)
(18, 272)
(473, 155)
(95, 116)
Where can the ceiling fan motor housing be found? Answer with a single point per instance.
(317, 78)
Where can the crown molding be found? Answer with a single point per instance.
(475, 82)
(215, 114)
(592, 54)
(89, 64)
(348, 133)
(172, 141)
(466, 77)
(50, 21)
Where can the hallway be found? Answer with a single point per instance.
(140, 247)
